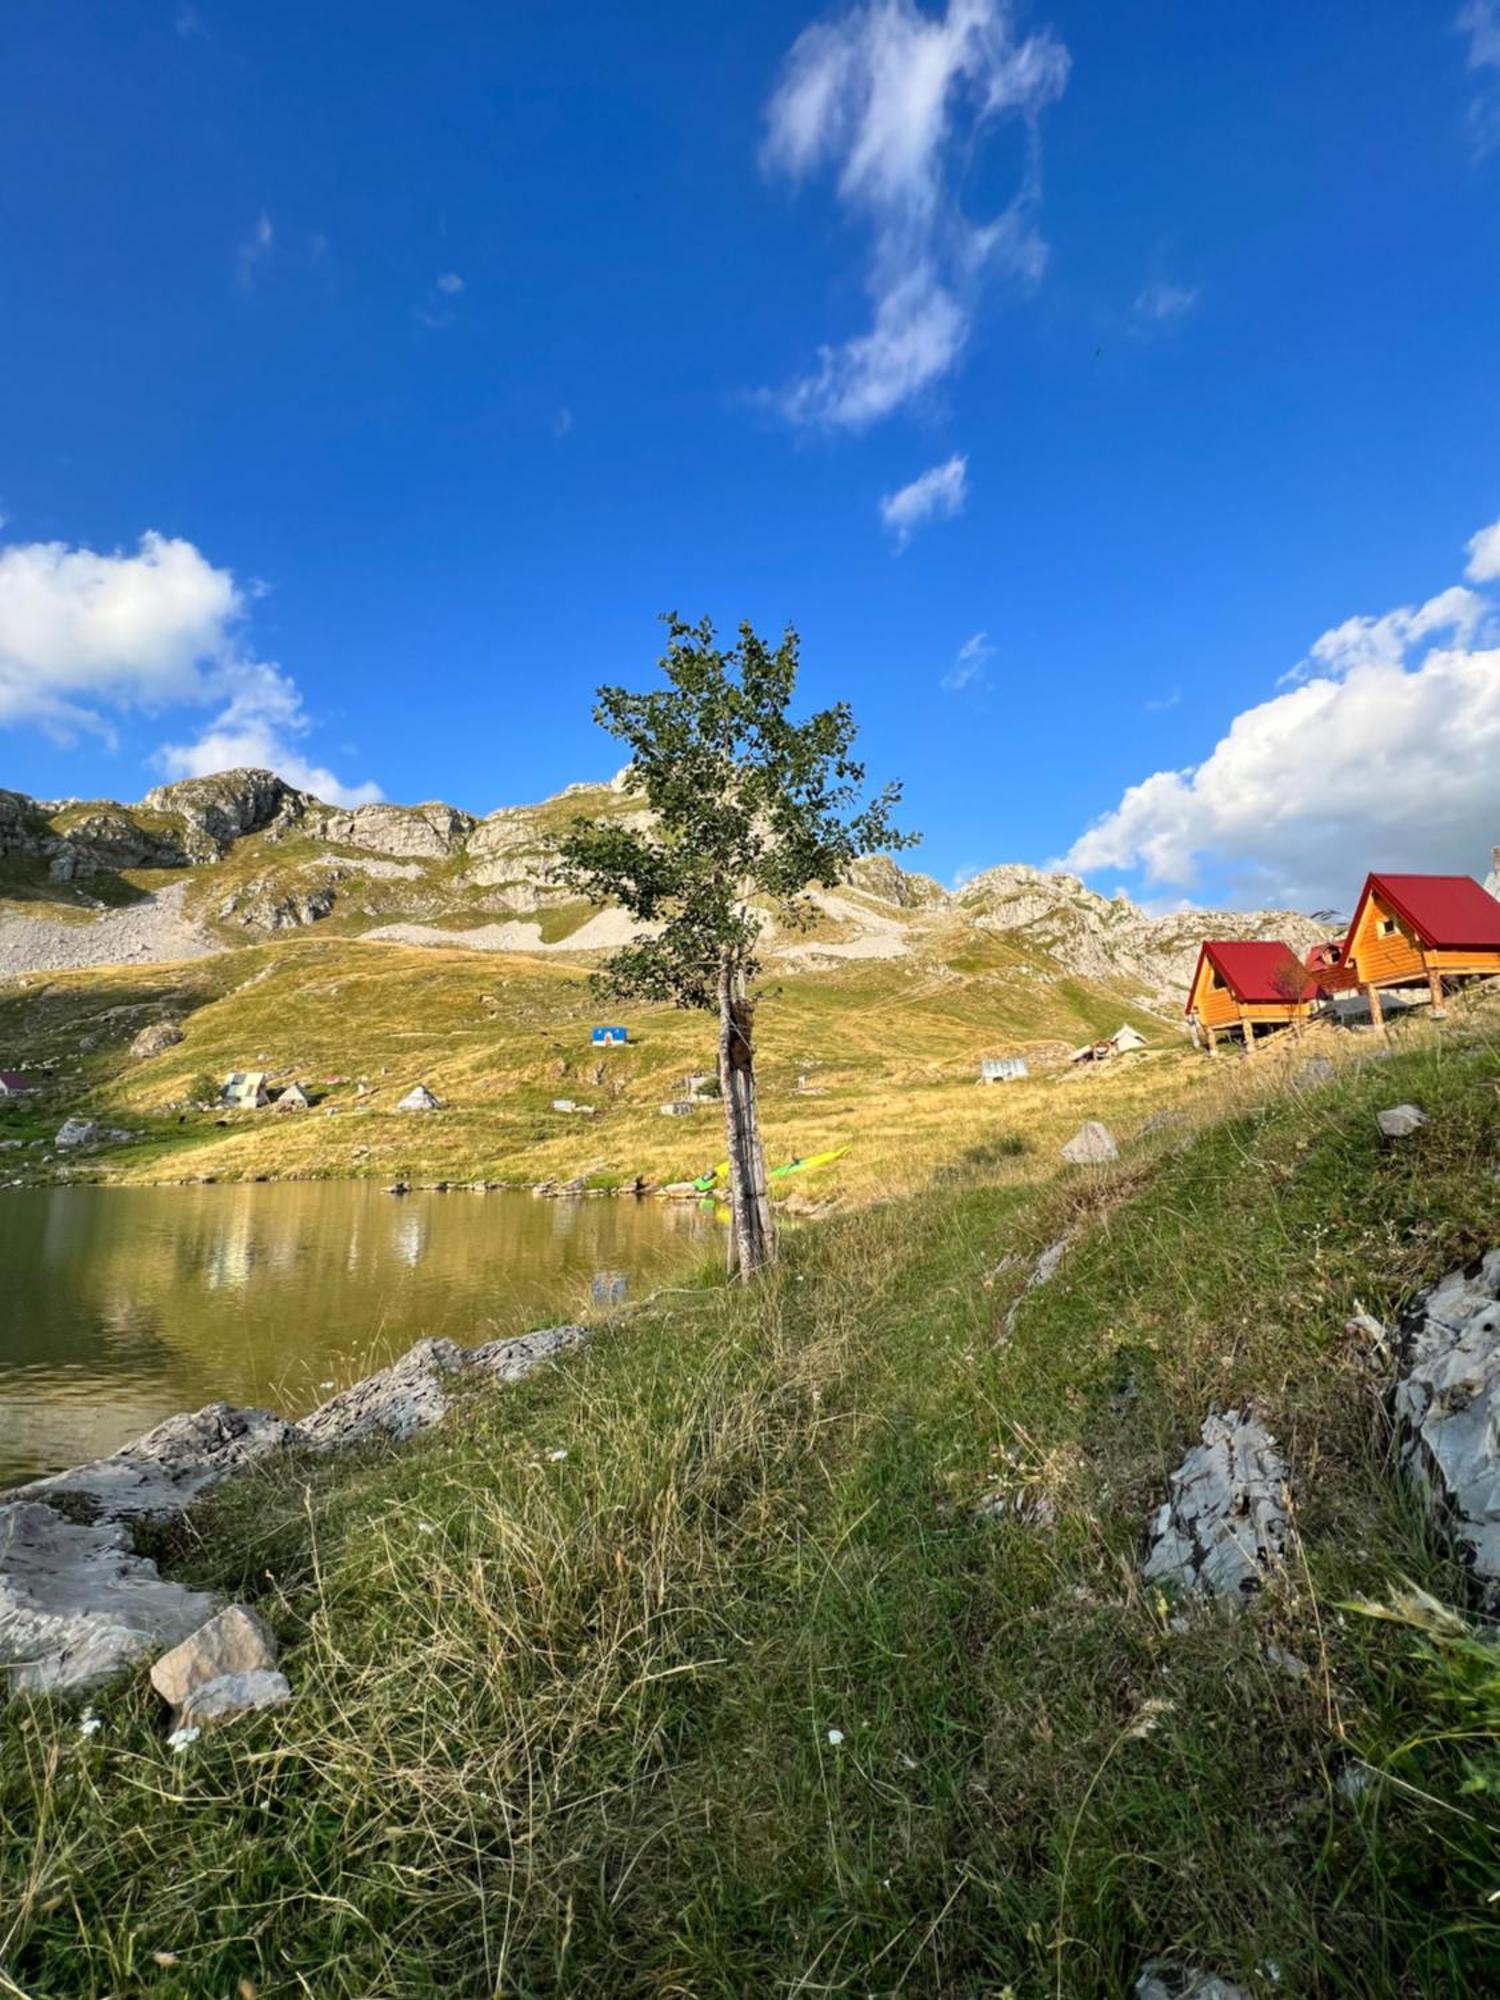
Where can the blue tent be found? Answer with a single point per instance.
(609, 1037)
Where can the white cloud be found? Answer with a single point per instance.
(1480, 21)
(969, 664)
(937, 495)
(85, 637)
(1385, 755)
(451, 283)
(889, 99)
(254, 251)
(189, 24)
(1159, 303)
(1483, 552)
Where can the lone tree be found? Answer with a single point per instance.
(748, 810)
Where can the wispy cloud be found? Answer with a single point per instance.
(936, 495)
(1158, 704)
(1159, 303)
(1386, 748)
(437, 309)
(87, 637)
(451, 283)
(255, 251)
(891, 100)
(189, 24)
(1480, 21)
(969, 665)
(562, 423)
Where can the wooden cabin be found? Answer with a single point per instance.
(1244, 984)
(1414, 929)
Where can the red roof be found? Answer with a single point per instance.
(1259, 972)
(1328, 963)
(13, 1080)
(1448, 912)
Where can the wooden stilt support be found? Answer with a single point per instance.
(1213, 1041)
(1435, 988)
(1372, 994)
(1249, 1028)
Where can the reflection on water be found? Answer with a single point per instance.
(119, 1306)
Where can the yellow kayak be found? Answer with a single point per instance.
(706, 1181)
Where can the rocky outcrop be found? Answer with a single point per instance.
(1224, 1526)
(267, 903)
(77, 1604)
(416, 1391)
(161, 1473)
(217, 811)
(1447, 1406)
(427, 832)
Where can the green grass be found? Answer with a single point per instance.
(562, 1724)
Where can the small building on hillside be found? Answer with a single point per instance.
(13, 1084)
(293, 1098)
(1125, 1041)
(419, 1098)
(1242, 984)
(1001, 1069)
(245, 1090)
(1410, 930)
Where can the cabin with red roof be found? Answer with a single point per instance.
(1241, 984)
(1411, 929)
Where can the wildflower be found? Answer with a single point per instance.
(89, 1723)
(426, 1528)
(835, 1737)
(181, 1738)
(556, 1456)
(327, 1385)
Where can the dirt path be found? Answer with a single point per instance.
(151, 932)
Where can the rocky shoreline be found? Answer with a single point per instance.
(78, 1601)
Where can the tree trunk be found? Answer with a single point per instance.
(752, 1238)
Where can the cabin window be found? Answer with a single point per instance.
(1387, 927)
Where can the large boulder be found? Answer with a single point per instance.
(77, 1604)
(1224, 1526)
(234, 1641)
(1447, 1405)
(1400, 1121)
(76, 1132)
(1091, 1146)
(155, 1040)
(157, 1475)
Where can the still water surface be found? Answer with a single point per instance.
(119, 1306)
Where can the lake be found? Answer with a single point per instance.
(121, 1306)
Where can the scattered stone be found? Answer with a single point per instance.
(420, 1098)
(1225, 1523)
(76, 1604)
(1447, 1406)
(76, 1132)
(1400, 1121)
(1313, 1074)
(1042, 1271)
(1286, 1662)
(1091, 1145)
(234, 1641)
(155, 1040)
(230, 1695)
(159, 1474)
(1028, 1505)
(413, 1393)
(1160, 1981)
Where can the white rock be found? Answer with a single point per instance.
(234, 1641)
(1447, 1406)
(1175, 1982)
(231, 1695)
(1225, 1524)
(414, 1392)
(75, 1132)
(76, 1604)
(1401, 1121)
(1091, 1145)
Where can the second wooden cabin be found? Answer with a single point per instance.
(1244, 984)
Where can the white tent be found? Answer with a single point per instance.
(293, 1098)
(419, 1099)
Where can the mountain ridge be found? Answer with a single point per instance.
(255, 856)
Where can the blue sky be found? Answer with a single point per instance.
(1108, 395)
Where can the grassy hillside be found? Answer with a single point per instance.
(876, 1054)
(741, 1695)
